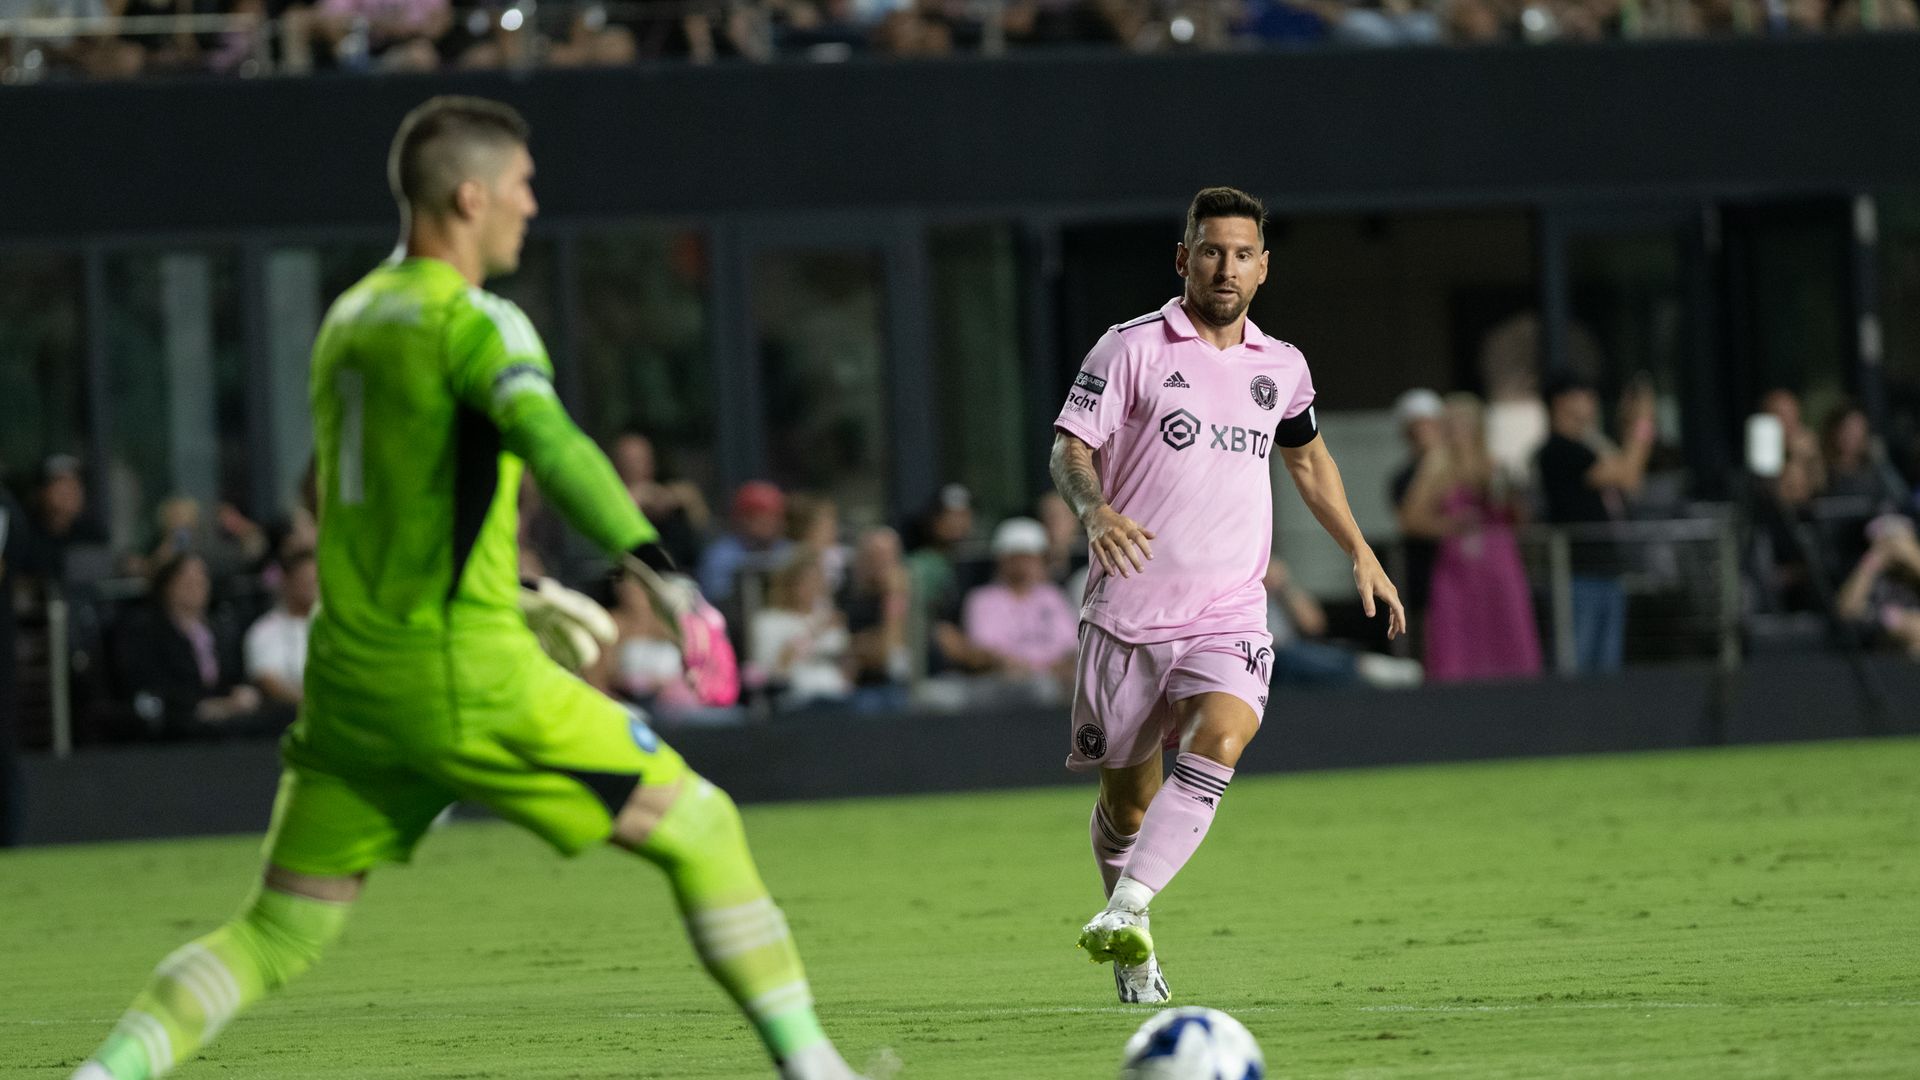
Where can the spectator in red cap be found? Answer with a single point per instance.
(757, 542)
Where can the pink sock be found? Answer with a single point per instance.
(1110, 847)
(1178, 820)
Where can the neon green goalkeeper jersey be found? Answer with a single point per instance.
(429, 398)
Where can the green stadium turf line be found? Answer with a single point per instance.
(1742, 913)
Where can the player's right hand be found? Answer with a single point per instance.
(571, 628)
(1118, 543)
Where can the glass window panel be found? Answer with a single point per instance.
(1801, 334)
(817, 318)
(1900, 325)
(1629, 313)
(179, 414)
(43, 370)
(979, 369)
(645, 360)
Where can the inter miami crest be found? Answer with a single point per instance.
(1180, 428)
(1265, 393)
(1091, 741)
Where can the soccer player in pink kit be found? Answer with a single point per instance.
(1163, 451)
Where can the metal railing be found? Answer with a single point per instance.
(1682, 579)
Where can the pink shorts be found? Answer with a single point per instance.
(1123, 694)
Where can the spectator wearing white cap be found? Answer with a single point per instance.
(1021, 619)
(1418, 413)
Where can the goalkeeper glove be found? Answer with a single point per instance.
(572, 629)
(697, 627)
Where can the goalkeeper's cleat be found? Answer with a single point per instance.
(1141, 984)
(818, 1062)
(1119, 935)
(570, 627)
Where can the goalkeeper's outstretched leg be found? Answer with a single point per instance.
(196, 990)
(693, 832)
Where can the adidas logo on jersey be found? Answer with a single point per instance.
(1174, 380)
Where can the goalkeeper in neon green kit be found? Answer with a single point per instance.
(424, 683)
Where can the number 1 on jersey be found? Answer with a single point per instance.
(351, 387)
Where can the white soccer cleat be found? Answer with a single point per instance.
(92, 1070)
(1141, 984)
(1119, 935)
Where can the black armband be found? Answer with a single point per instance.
(1297, 431)
(655, 557)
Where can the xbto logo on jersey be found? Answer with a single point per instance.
(1265, 393)
(1180, 429)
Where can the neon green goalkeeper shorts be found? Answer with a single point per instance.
(373, 761)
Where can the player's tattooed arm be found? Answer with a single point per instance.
(1116, 541)
(1073, 474)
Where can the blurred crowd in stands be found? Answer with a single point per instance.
(202, 630)
(1820, 530)
(126, 38)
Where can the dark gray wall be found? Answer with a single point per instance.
(179, 790)
(1387, 127)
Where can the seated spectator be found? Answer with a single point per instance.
(1855, 15)
(813, 525)
(1021, 621)
(931, 568)
(60, 520)
(1066, 543)
(798, 643)
(1855, 468)
(1296, 620)
(173, 665)
(100, 56)
(392, 35)
(1882, 595)
(876, 600)
(644, 666)
(276, 644)
(593, 41)
(675, 507)
(1804, 476)
(757, 543)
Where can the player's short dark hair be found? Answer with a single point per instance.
(1218, 202)
(434, 150)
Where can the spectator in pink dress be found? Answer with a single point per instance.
(1021, 619)
(1480, 611)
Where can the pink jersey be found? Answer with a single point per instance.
(1184, 433)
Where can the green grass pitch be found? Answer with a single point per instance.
(1734, 913)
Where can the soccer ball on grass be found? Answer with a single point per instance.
(1192, 1044)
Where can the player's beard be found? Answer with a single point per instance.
(1216, 311)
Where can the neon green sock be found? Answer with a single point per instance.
(202, 985)
(739, 933)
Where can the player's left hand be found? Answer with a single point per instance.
(571, 628)
(1371, 580)
(696, 626)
